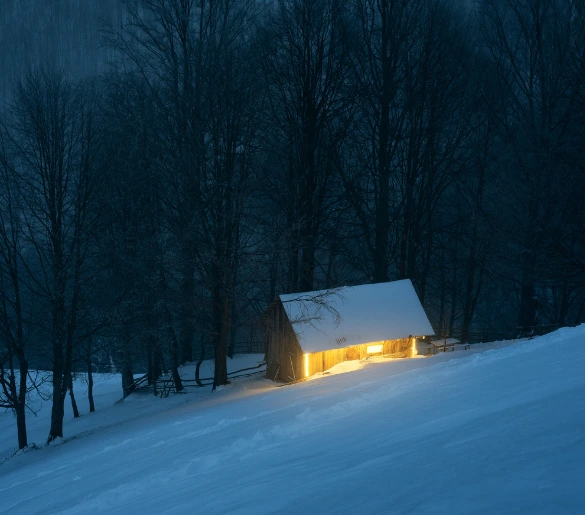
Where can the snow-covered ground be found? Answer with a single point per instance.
(498, 430)
(107, 392)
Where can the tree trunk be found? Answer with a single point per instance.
(308, 231)
(472, 290)
(307, 264)
(59, 390)
(187, 326)
(175, 365)
(528, 304)
(564, 308)
(72, 396)
(308, 183)
(220, 344)
(293, 264)
(232, 325)
(127, 372)
(454, 280)
(405, 235)
(527, 317)
(443, 295)
(220, 372)
(151, 359)
(154, 361)
(90, 386)
(58, 335)
(382, 207)
(273, 274)
(57, 410)
(174, 348)
(158, 365)
(20, 407)
(232, 345)
(201, 359)
(127, 377)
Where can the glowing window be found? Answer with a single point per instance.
(374, 349)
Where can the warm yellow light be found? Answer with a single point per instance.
(306, 365)
(414, 351)
(374, 349)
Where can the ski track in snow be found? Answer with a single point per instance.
(488, 431)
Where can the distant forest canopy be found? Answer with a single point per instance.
(165, 177)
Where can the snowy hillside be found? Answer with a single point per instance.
(484, 431)
(107, 392)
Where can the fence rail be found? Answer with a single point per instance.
(517, 332)
(167, 385)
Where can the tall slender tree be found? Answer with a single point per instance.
(305, 68)
(54, 141)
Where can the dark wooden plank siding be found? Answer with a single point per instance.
(284, 355)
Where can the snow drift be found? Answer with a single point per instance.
(498, 431)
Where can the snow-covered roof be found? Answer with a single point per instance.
(332, 319)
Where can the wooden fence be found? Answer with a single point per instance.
(165, 386)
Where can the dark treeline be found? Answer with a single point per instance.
(239, 149)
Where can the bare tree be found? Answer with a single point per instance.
(387, 31)
(233, 100)
(410, 66)
(530, 44)
(52, 132)
(14, 367)
(133, 244)
(191, 56)
(164, 44)
(304, 65)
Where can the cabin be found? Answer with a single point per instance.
(311, 332)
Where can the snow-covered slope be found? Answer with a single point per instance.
(107, 392)
(499, 431)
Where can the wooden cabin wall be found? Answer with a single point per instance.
(292, 360)
(322, 361)
(284, 356)
(271, 325)
(401, 348)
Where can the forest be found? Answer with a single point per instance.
(167, 167)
